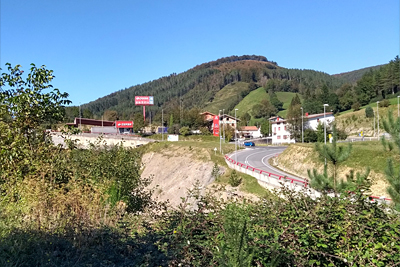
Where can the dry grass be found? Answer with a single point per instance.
(299, 158)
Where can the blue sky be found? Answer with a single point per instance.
(99, 47)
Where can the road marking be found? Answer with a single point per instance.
(264, 151)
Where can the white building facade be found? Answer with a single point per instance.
(312, 121)
(250, 132)
(280, 127)
(280, 132)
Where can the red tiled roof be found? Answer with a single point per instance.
(318, 115)
(207, 113)
(249, 128)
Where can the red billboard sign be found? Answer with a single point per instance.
(144, 100)
(124, 124)
(216, 126)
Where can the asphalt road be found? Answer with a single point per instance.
(257, 157)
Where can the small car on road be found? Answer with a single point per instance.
(249, 144)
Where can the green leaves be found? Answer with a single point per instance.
(392, 127)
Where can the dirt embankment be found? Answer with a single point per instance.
(176, 170)
(297, 159)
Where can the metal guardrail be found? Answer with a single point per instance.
(277, 181)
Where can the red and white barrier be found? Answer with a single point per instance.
(272, 180)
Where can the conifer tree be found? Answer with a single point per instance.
(334, 156)
(392, 127)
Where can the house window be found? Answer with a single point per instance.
(278, 137)
(279, 128)
(285, 128)
(285, 137)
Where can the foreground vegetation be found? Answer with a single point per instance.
(72, 207)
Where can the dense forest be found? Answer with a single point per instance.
(355, 75)
(197, 87)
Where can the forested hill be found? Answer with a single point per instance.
(198, 86)
(355, 75)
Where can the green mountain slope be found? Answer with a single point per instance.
(355, 75)
(227, 97)
(255, 97)
(210, 86)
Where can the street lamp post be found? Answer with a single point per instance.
(374, 124)
(325, 105)
(302, 126)
(223, 124)
(219, 131)
(235, 136)
(80, 119)
(162, 124)
(377, 114)
(398, 110)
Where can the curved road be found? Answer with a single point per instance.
(257, 157)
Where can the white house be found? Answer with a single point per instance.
(250, 132)
(225, 119)
(280, 131)
(314, 119)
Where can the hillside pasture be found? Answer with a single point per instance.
(226, 97)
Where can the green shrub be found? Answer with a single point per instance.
(185, 131)
(234, 179)
(356, 106)
(215, 172)
(369, 112)
(384, 103)
(310, 136)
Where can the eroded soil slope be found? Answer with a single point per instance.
(176, 170)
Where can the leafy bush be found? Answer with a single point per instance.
(384, 103)
(290, 229)
(341, 134)
(310, 136)
(356, 106)
(185, 131)
(369, 112)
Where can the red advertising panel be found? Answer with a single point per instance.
(144, 100)
(124, 124)
(216, 126)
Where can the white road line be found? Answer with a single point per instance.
(264, 151)
(278, 171)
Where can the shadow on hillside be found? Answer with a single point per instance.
(101, 247)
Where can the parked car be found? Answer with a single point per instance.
(249, 144)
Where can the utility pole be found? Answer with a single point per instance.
(377, 111)
(223, 123)
(398, 110)
(181, 109)
(80, 118)
(325, 105)
(219, 131)
(374, 124)
(235, 137)
(302, 124)
(162, 124)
